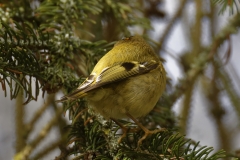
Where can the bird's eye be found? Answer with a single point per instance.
(127, 38)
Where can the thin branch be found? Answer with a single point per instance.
(39, 113)
(196, 39)
(205, 56)
(50, 147)
(171, 23)
(19, 122)
(27, 150)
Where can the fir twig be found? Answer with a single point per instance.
(27, 150)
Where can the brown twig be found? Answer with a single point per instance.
(171, 23)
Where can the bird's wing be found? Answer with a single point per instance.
(109, 75)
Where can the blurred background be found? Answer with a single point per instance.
(208, 107)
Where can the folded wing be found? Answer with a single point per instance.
(109, 75)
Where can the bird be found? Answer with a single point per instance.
(126, 82)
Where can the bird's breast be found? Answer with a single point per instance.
(136, 95)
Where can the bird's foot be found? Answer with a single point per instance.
(148, 133)
(125, 131)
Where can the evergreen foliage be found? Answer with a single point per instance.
(232, 4)
(51, 45)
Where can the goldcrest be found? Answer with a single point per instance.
(128, 80)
